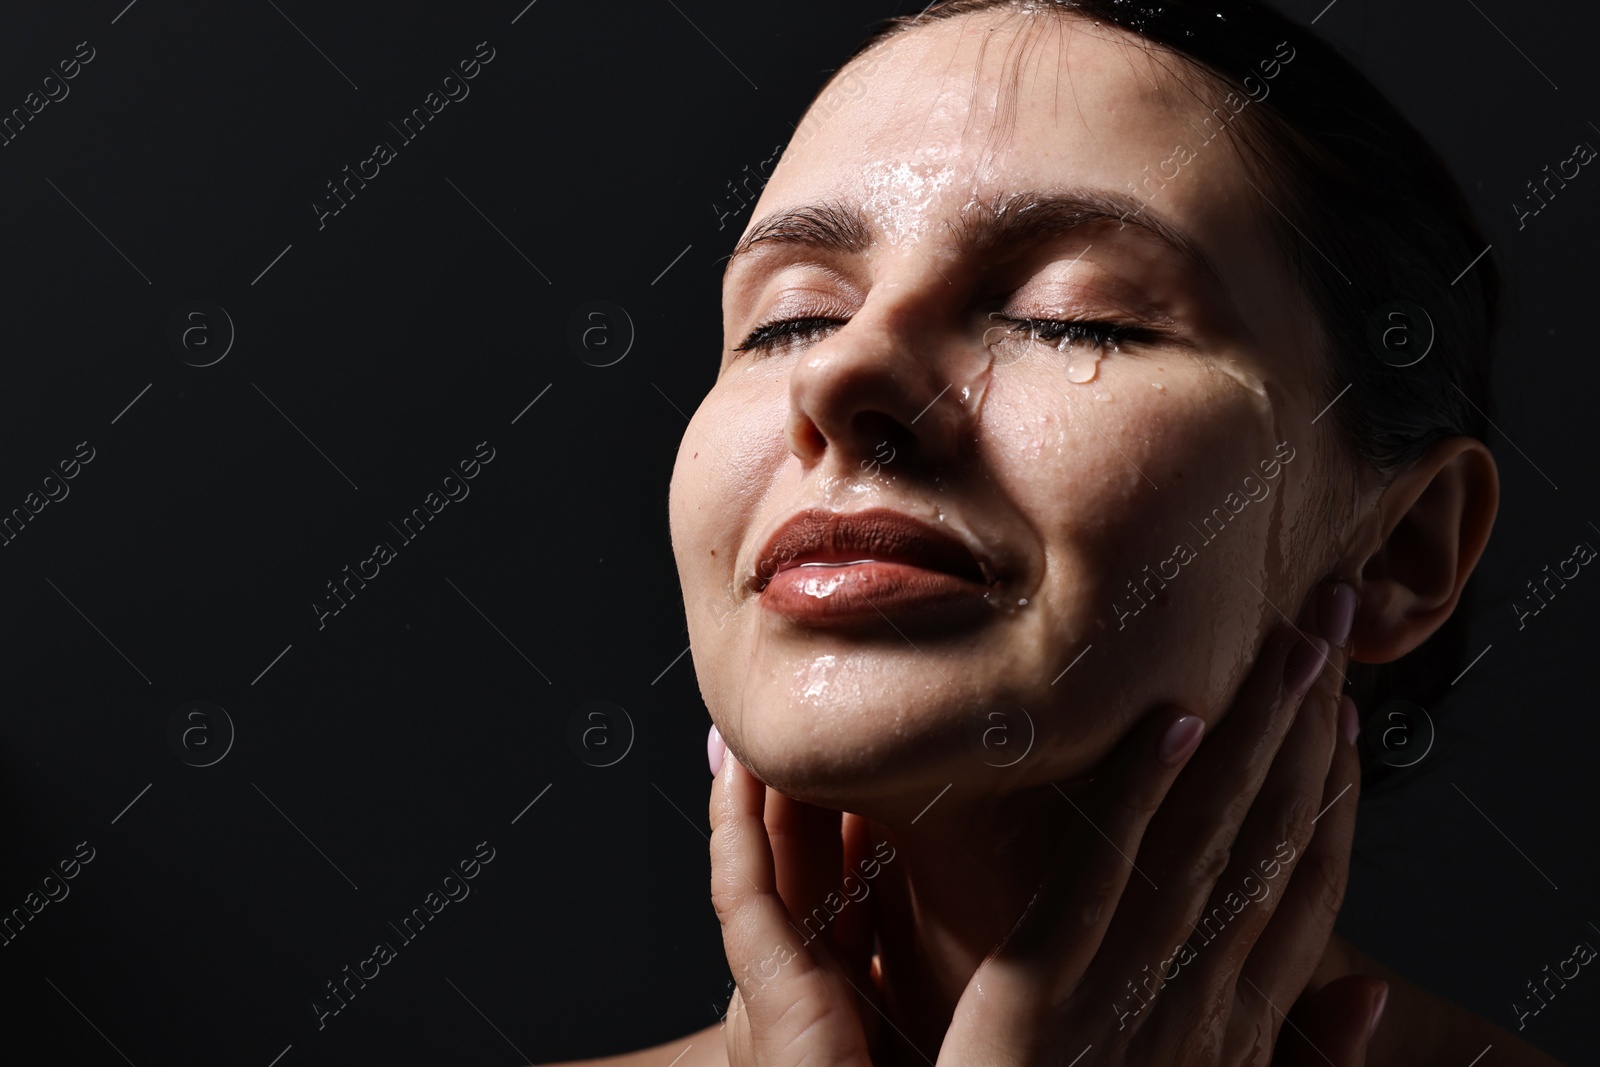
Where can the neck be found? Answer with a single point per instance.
(959, 880)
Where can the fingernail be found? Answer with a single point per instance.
(1337, 613)
(1382, 1001)
(1349, 721)
(716, 748)
(1180, 740)
(1305, 663)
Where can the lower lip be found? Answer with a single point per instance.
(869, 590)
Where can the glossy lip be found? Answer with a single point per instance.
(878, 535)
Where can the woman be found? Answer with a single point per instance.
(1071, 353)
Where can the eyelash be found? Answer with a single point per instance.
(787, 331)
(1103, 335)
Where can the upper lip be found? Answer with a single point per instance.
(821, 536)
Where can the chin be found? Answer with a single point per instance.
(850, 754)
(876, 730)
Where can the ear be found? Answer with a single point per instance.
(1434, 516)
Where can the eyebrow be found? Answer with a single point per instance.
(1011, 221)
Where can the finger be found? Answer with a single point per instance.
(1013, 1009)
(756, 926)
(791, 1009)
(1272, 836)
(855, 930)
(1295, 938)
(1188, 844)
(1266, 865)
(738, 1039)
(1333, 1025)
(1044, 956)
(806, 850)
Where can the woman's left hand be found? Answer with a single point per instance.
(1107, 968)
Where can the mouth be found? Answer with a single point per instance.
(823, 567)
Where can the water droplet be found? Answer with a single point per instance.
(1083, 366)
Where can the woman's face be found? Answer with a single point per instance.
(924, 222)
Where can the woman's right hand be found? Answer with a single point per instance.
(800, 1000)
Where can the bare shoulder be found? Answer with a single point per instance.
(703, 1048)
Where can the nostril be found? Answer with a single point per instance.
(881, 439)
(865, 398)
(804, 437)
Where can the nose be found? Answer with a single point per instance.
(884, 380)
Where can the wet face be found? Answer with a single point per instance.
(1011, 330)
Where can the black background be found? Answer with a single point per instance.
(424, 717)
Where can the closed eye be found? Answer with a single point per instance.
(1063, 332)
(787, 333)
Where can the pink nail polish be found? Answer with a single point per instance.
(1305, 663)
(1180, 739)
(716, 748)
(1337, 613)
(1349, 720)
(1377, 1011)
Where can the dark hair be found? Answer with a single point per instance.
(1367, 214)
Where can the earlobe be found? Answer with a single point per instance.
(1436, 515)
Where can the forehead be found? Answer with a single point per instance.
(944, 118)
(971, 107)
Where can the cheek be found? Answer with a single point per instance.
(1154, 550)
(731, 457)
(1135, 453)
(725, 465)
